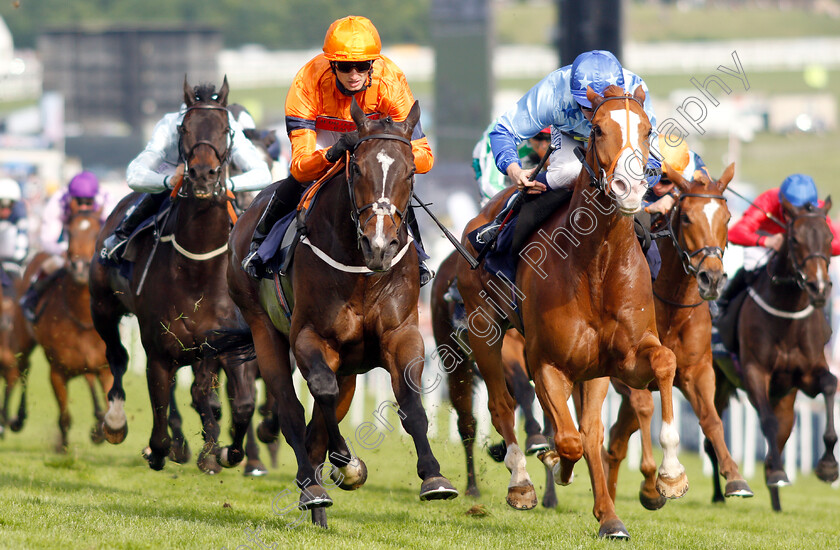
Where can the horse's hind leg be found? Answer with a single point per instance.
(698, 385)
(625, 425)
(524, 394)
(204, 378)
(461, 394)
(723, 393)
(756, 383)
(96, 434)
(242, 397)
(253, 466)
(159, 374)
(672, 481)
(827, 466)
(549, 499)
(642, 403)
(115, 424)
(179, 452)
(593, 393)
(59, 384)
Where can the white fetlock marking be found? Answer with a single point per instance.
(352, 472)
(223, 458)
(115, 417)
(669, 438)
(515, 462)
(557, 479)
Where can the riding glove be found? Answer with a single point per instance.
(347, 142)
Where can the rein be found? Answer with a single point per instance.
(223, 157)
(381, 207)
(798, 276)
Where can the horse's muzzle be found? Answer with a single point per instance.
(377, 257)
(710, 283)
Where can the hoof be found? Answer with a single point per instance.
(613, 529)
(207, 462)
(497, 452)
(229, 457)
(827, 470)
(97, 436)
(350, 477)
(254, 468)
(180, 453)
(16, 425)
(522, 498)
(558, 479)
(738, 488)
(549, 500)
(265, 434)
(437, 488)
(672, 488)
(313, 497)
(649, 503)
(777, 478)
(115, 436)
(156, 462)
(319, 517)
(472, 491)
(536, 443)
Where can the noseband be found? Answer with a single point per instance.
(223, 157)
(706, 251)
(381, 207)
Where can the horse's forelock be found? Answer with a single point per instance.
(614, 91)
(205, 92)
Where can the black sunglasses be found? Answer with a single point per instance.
(360, 66)
(84, 201)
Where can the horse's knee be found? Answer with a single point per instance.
(242, 412)
(569, 447)
(323, 384)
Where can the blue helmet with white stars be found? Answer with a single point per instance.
(597, 69)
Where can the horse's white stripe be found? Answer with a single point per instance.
(710, 209)
(386, 161)
(632, 133)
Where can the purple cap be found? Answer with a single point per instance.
(84, 185)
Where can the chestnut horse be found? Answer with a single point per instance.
(460, 381)
(355, 289)
(64, 327)
(691, 274)
(185, 293)
(16, 345)
(782, 332)
(586, 311)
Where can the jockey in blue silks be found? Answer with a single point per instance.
(559, 101)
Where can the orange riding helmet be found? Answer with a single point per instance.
(352, 38)
(677, 156)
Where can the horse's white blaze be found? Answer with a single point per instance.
(710, 210)
(386, 161)
(629, 168)
(820, 279)
(515, 462)
(115, 417)
(379, 237)
(84, 225)
(669, 438)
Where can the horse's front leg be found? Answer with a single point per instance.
(827, 466)
(593, 393)
(159, 375)
(756, 384)
(672, 481)
(553, 389)
(641, 402)
(403, 355)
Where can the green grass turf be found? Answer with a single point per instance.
(106, 497)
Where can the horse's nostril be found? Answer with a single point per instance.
(704, 279)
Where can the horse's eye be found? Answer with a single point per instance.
(596, 130)
(684, 218)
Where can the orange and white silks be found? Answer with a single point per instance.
(317, 113)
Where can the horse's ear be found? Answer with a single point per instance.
(727, 176)
(675, 177)
(412, 119)
(358, 115)
(827, 204)
(223, 93)
(189, 95)
(639, 94)
(789, 209)
(594, 98)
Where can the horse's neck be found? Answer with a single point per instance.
(198, 226)
(786, 293)
(77, 297)
(330, 226)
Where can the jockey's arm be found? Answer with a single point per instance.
(142, 174)
(745, 231)
(52, 225)
(244, 155)
(835, 237)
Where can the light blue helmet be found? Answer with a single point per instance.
(799, 190)
(597, 69)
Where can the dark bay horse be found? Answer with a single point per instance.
(185, 293)
(355, 288)
(16, 345)
(64, 327)
(586, 304)
(691, 274)
(782, 332)
(460, 379)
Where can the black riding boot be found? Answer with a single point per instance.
(29, 301)
(426, 274)
(739, 283)
(284, 199)
(489, 233)
(143, 209)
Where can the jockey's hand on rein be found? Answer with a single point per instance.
(347, 142)
(520, 177)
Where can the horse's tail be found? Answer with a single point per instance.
(235, 344)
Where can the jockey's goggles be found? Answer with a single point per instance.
(347, 66)
(7, 203)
